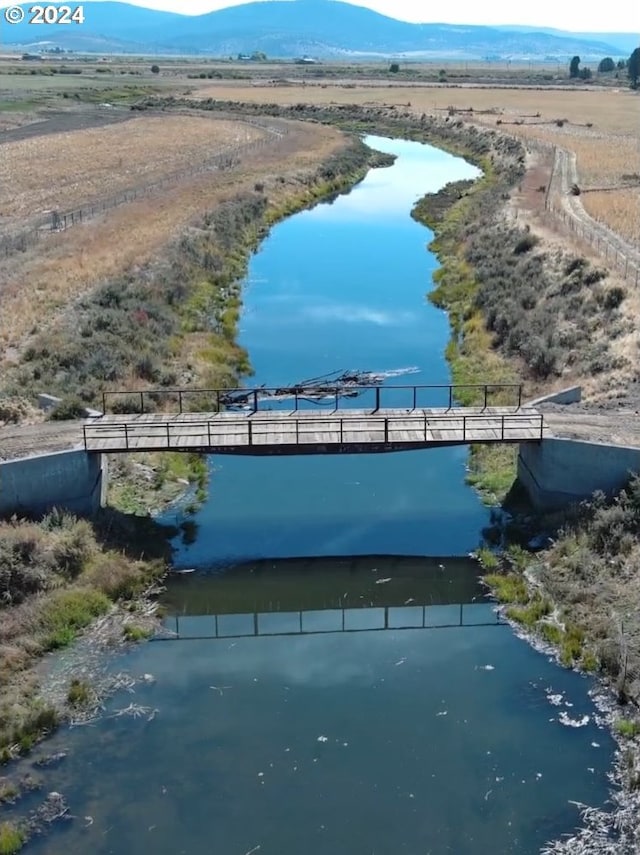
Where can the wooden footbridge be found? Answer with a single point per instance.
(300, 424)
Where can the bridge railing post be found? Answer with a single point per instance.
(255, 400)
(337, 399)
(104, 403)
(84, 436)
(386, 430)
(415, 397)
(180, 401)
(250, 431)
(486, 388)
(464, 428)
(377, 407)
(217, 400)
(502, 428)
(341, 431)
(450, 397)
(168, 437)
(209, 434)
(141, 402)
(126, 437)
(519, 396)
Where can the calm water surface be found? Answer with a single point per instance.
(324, 718)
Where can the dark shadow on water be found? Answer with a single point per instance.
(294, 584)
(138, 537)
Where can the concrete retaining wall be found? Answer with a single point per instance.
(570, 395)
(70, 480)
(557, 472)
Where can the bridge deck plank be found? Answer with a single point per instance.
(279, 428)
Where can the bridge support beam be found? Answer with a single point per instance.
(557, 472)
(74, 481)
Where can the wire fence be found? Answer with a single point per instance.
(58, 221)
(565, 205)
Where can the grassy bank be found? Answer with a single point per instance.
(56, 577)
(581, 598)
(518, 313)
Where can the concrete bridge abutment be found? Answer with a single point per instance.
(74, 481)
(557, 472)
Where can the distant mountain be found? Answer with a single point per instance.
(625, 43)
(320, 28)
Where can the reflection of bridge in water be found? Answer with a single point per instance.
(364, 619)
(313, 596)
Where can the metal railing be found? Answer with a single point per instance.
(147, 400)
(225, 433)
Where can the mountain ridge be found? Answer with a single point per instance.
(286, 28)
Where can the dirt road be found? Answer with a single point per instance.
(614, 427)
(614, 248)
(45, 438)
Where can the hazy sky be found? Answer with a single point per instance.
(623, 15)
(577, 15)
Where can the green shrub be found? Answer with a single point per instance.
(551, 632)
(11, 838)
(571, 645)
(65, 613)
(627, 727)
(79, 693)
(488, 559)
(531, 613)
(135, 633)
(68, 409)
(508, 587)
(525, 244)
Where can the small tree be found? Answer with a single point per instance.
(622, 63)
(394, 68)
(606, 65)
(574, 66)
(584, 73)
(155, 69)
(633, 68)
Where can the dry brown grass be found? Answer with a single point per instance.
(63, 266)
(620, 210)
(65, 171)
(614, 111)
(603, 161)
(605, 151)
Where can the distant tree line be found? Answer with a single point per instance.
(607, 65)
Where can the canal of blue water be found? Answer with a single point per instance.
(332, 689)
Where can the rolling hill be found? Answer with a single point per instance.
(320, 28)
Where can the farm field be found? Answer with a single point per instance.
(58, 268)
(598, 125)
(84, 165)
